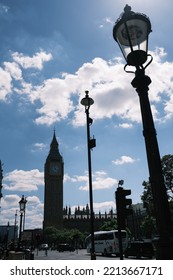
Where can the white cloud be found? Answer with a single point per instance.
(39, 146)
(169, 108)
(13, 69)
(36, 61)
(100, 180)
(11, 199)
(34, 211)
(76, 179)
(5, 84)
(126, 125)
(20, 180)
(33, 200)
(111, 89)
(123, 160)
(102, 207)
(56, 103)
(108, 84)
(109, 93)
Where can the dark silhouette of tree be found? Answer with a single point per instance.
(73, 236)
(110, 225)
(149, 223)
(167, 167)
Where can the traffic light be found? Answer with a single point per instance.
(121, 203)
(92, 143)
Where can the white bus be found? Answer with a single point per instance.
(107, 243)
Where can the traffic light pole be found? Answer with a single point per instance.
(122, 212)
(119, 226)
(120, 243)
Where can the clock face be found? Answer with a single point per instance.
(55, 168)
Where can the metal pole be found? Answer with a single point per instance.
(160, 199)
(20, 230)
(119, 225)
(93, 256)
(15, 223)
(7, 234)
(24, 213)
(23, 219)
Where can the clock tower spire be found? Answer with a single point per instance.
(53, 192)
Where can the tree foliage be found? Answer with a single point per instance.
(149, 223)
(73, 236)
(110, 225)
(167, 167)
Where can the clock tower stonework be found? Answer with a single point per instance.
(53, 192)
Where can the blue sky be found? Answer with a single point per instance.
(50, 53)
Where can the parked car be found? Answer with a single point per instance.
(140, 249)
(44, 247)
(65, 247)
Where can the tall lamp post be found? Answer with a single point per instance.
(131, 32)
(7, 234)
(15, 225)
(1, 177)
(22, 205)
(87, 102)
(24, 213)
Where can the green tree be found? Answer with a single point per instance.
(110, 225)
(149, 223)
(147, 198)
(167, 167)
(73, 236)
(51, 234)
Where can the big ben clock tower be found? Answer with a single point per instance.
(53, 192)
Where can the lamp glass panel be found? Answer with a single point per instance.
(87, 101)
(132, 36)
(22, 206)
(134, 33)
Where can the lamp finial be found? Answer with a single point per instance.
(127, 9)
(87, 93)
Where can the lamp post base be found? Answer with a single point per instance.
(164, 247)
(93, 256)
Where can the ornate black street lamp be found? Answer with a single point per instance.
(22, 205)
(131, 32)
(87, 102)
